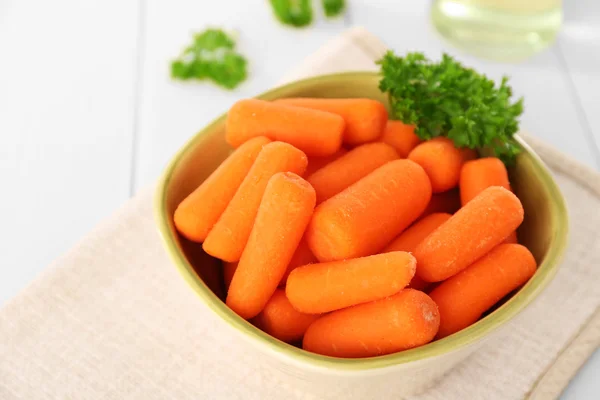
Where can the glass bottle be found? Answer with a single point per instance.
(502, 30)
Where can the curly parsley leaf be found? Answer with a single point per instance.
(211, 56)
(333, 8)
(297, 13)
(446, 98)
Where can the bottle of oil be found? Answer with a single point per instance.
(502, 30)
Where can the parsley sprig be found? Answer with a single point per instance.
(333, 8)
(211, 56)
(446, 98)
(297, 13)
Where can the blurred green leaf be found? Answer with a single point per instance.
(333, 8)
(211, 56)
(297, 13)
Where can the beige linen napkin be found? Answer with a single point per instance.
(112, 319)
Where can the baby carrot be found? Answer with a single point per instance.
(280, 320)
(401, 137)
(363, 218)
(445, 202)
(228, 237)
(411, 237)
(228, 271)
(349, 168)
(477, 175)
(403, 321)
(365, 118)
(463, 298)
(284, 213)
(317, 133)
(316, 163)
(442, 162)
(200, 210)
(320, 288)
(474, 230)
(302, 256)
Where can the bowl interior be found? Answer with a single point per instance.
(543, 231)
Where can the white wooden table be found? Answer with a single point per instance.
(88, 114)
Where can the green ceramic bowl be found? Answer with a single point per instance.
(544, 232)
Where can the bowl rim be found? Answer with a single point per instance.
(474, 333)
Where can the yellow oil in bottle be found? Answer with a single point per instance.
(503, 30)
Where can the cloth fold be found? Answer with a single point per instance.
(112, 319)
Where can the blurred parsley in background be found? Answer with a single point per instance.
(211, 56)
(333, 8)
(299, 13)
(296, 13)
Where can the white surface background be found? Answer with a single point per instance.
(88, 114)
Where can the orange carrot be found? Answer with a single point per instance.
(302, 256)
(442, 162)
(445, 202)
(363, 218)
(284, 213)
(316, 163)
(477, 175)
(280, 320)
(365, 118)
(317, 133)
(406, 320)
(228, 272)
(320, 288)
(200, 210)
(411, 237)
(401, 137)
(474, 230)
(463, 298)
(229, 235)
(351, 167)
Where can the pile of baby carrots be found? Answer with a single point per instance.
(342, 232)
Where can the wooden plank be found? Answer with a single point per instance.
(66, 106)
(171, 112)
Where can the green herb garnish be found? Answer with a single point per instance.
(448, 99)
(296, 13)
(333, 8)
(211, 56)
